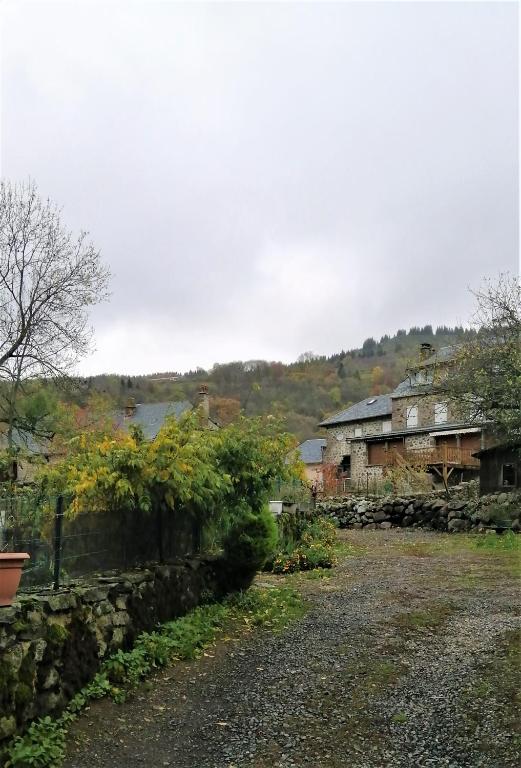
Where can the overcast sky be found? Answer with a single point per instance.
(265, 179)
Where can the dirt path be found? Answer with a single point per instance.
(408, 657)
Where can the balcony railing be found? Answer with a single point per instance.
(452, 456)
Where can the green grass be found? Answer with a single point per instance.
(344, 548)
(434, 615)
(380, 674)
(318, 573)
(506, 542)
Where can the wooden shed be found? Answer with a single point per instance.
(500, 468)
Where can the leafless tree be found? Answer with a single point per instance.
(48, 280)
(484, 376)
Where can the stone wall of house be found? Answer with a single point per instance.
(425, 405)
(419, 441)
(52, 643)
(374, 426)
(358, 461)
(430, 511)
(336, 449)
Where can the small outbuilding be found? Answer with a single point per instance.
(500, 468)
(311, 453)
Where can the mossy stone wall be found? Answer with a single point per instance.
(52, 643)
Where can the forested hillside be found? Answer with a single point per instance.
(303, 392)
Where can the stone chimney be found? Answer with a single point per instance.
(130, 408)
(426, 350)
(204, 401)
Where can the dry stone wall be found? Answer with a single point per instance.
(52, 643)
(431, 512)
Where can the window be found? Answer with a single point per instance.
(387, 426)
(345, 466)
(440, 413)
(508, 475)
(412, 416)
(358, 431)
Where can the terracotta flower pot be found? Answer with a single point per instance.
(11, 564)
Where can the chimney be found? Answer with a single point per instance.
(426, 350)
(130, 408)
(204, 401)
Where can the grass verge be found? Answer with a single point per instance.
(43, 745)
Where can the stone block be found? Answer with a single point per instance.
(120, 619)
(38, 649)
(456, 505)
(95, 594)
(457, 524)
(64, 601)
(51, 679)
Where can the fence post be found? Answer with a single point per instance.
(159, 532)
(58, 523)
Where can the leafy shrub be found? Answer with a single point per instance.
(251, 540)
(315, 549)
(287, 563)
(42, 746)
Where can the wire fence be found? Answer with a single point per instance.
(365, 485)
(62, 548)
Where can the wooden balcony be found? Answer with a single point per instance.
(440, 455)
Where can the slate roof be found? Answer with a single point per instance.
(370, 408)
(406, 388)
(311, 450)
(442, 355)
(27, 442)
(454, 427)
(151, 416)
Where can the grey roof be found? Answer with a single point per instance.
(311, 450)
(151, 416)
(442, 355)
(370, 408)
(414, 431)
(27, 442)
(406, 388)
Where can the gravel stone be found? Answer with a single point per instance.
(351, 685)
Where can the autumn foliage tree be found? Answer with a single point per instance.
(223, 476)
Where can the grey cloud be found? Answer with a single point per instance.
(268, 178)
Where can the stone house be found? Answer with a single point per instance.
(30, 452)
(311, 453)
(151, 416)
(410, 425)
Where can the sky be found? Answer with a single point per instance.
(265, 179)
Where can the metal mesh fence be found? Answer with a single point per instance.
(62, 548)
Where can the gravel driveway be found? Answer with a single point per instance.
(408, 657)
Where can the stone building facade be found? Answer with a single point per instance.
(363, 441)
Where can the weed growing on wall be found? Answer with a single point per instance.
(43, 745)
